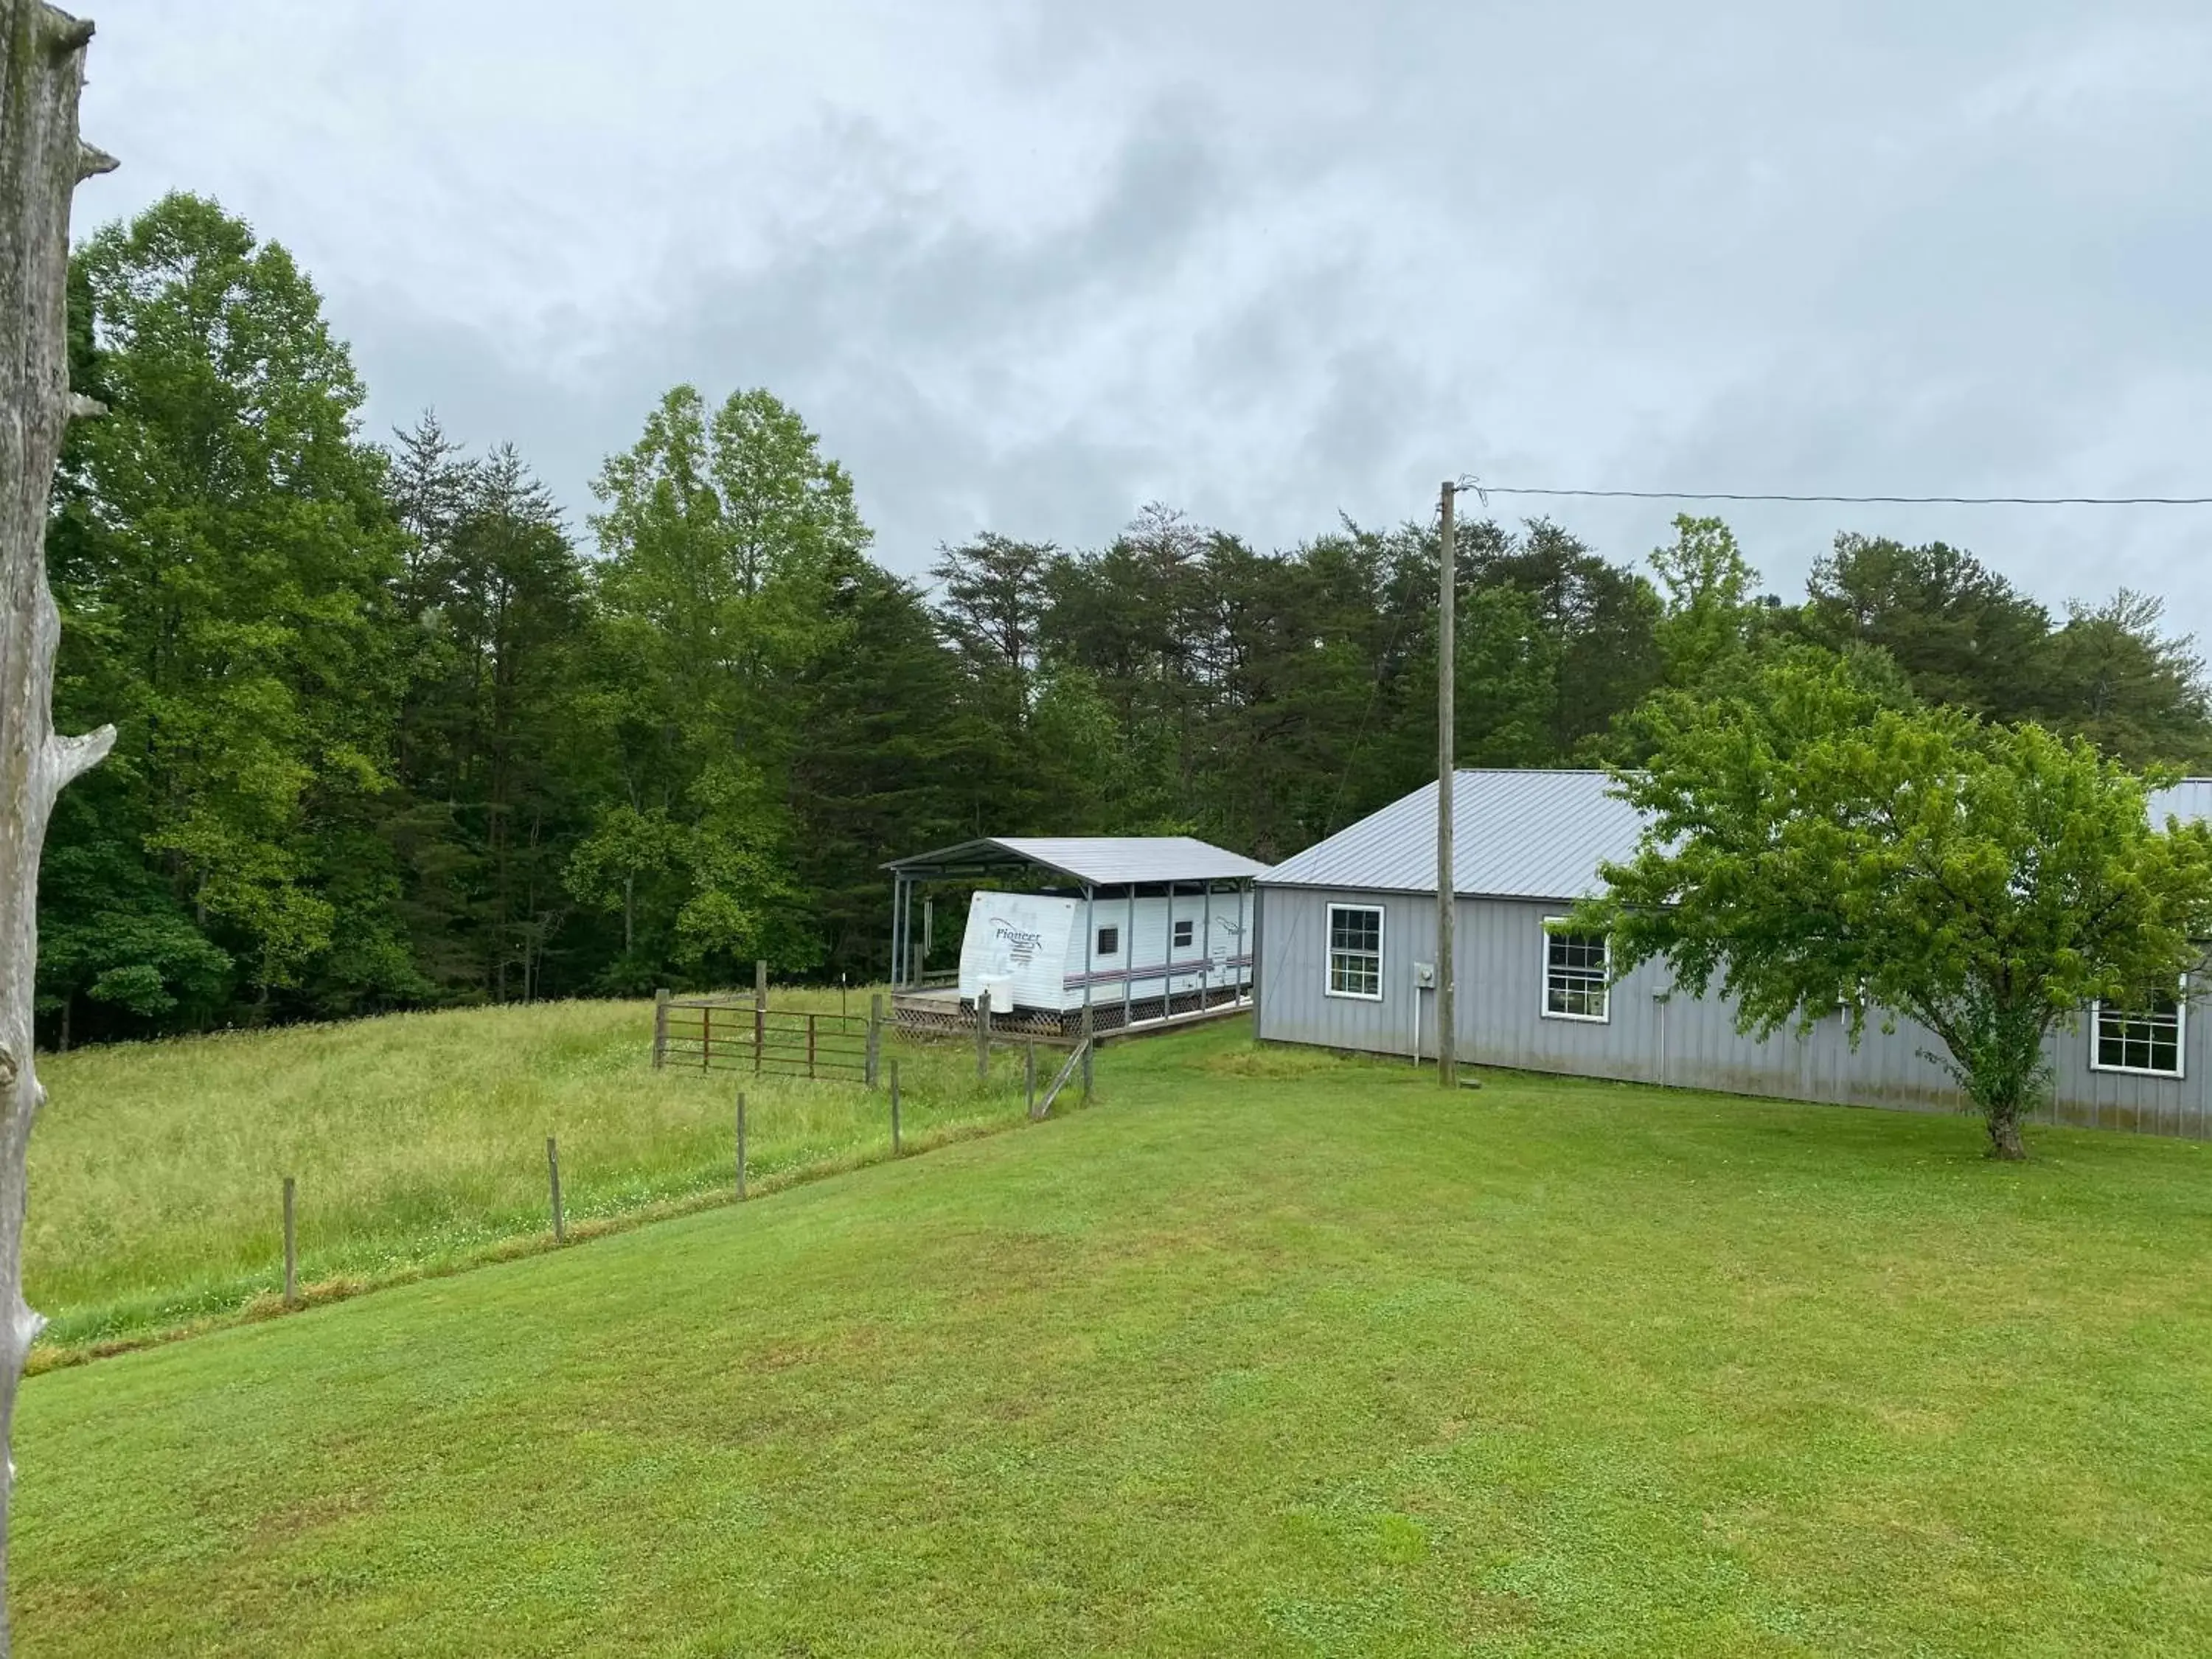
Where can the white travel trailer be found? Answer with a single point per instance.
(1131, 929)
(1034, 951)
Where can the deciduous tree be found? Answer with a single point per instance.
(1819, 840)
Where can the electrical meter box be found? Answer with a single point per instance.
(1424, 976)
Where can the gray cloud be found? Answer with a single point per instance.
(1029, 265)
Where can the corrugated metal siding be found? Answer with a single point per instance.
(1533, 835)
(2190, 799)
(1294, 1004)
(1683, 1041)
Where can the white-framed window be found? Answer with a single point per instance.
(1355, 951)
(1578, 972)
(1109, 942)
(1185, 933)
(2144, 1040)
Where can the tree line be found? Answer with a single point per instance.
(394, 733)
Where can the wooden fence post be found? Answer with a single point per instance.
(706, 1035)
(895, 1109)
(291, 1248)
(875, 1037)
(760, 1012)
(741, 1145)
(659, 1028)
(1028, 1077)
(983, 1036)
(553, 1175)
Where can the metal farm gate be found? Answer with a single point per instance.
(733, 1033)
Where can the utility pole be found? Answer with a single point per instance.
(1447, 881)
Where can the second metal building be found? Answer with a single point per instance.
(1347, 934)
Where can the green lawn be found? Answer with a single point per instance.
(1266, 1353)
(418, 1142)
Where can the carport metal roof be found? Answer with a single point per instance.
(1092, 860)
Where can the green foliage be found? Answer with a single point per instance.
(1713, 620)
(725, 539)
(222, 555)
(1821, 842)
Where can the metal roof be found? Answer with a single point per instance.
(1516, 834)
(1097, 860)
(1526, 834)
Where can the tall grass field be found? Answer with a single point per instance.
(418, 1144)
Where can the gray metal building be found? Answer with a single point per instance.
(1348, 937)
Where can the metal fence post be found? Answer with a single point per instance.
(291, 1248)
(875, 1037)
(1028, 1077)
(659, 1028)
(760, 1012)
(741, 1145)
(895, 1109)
(553, 1175)
(706, 1036)
(982, 1036)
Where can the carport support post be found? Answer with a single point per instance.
(982, 1036)
(1090, 943)
(659, 1028)
(1129, 957)
(1206, 951)
(898, 946)
(1167, 960)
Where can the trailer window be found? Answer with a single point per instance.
(1183, 933)
(1577, 969)
(1355, 952)
(2146, 1039)
(1109, 941)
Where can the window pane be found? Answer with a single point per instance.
(1575, 976)
(2141, 1040)
(1355, 951)
(1355, 929)
(1109, 941)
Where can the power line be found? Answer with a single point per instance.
(1486, 490)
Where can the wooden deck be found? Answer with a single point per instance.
(941, 1011)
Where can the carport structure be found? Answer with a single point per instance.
(1140, 898)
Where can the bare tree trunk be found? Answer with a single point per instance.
(41, 160)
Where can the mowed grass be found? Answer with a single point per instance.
(1266, 1353)
(418, 1143)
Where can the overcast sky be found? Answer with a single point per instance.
(1029, 265)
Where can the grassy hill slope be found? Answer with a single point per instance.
(1269, 1353)
(418, 1141)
